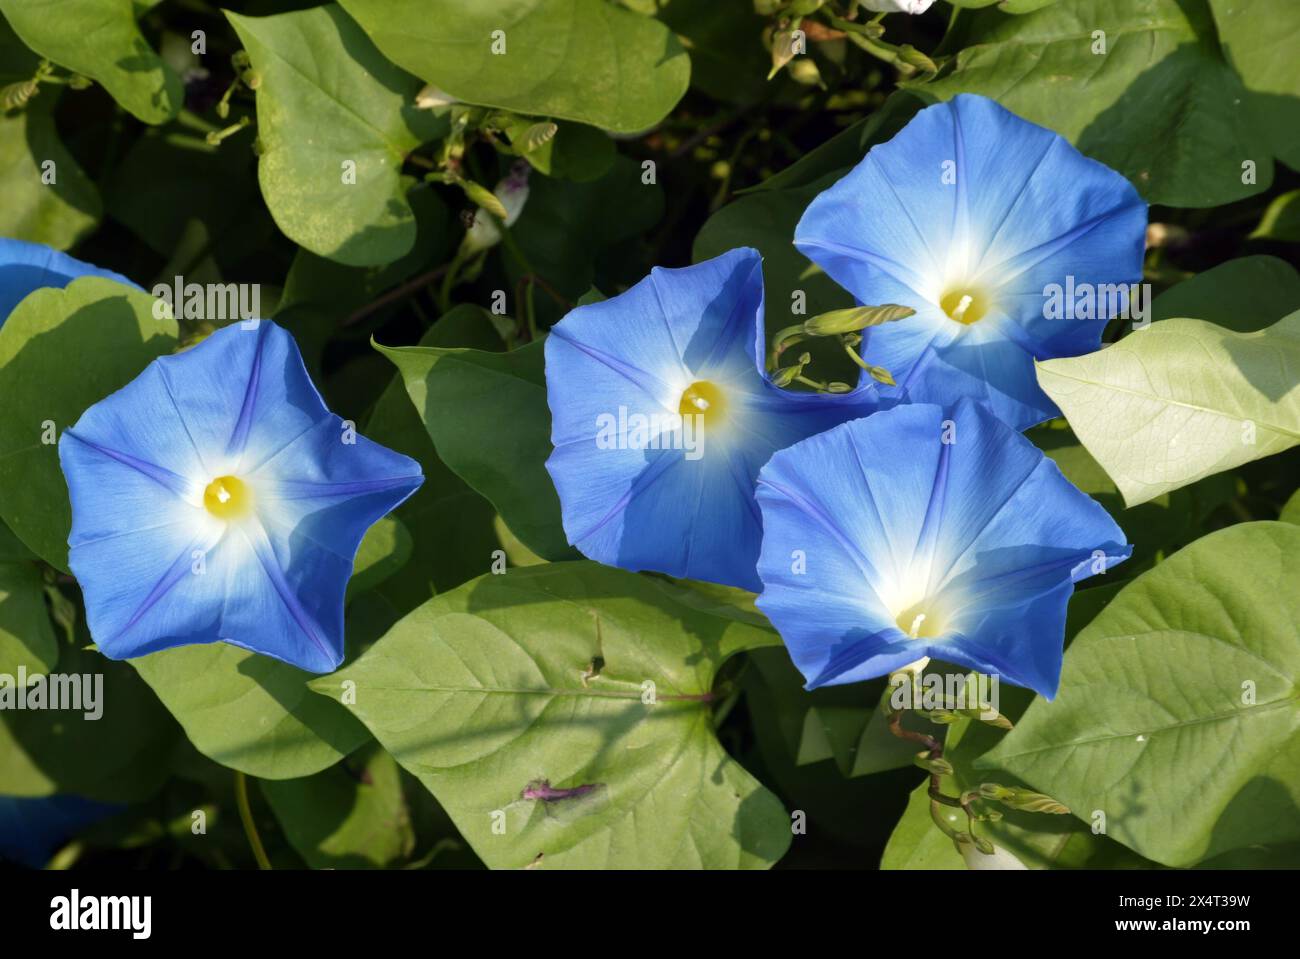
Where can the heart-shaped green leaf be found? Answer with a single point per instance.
(1137, 84)
(26, 636)
(584, 60)
(1179, 712)
(1180, 400)
(561, 714)
(114, 745)
(1259, 39)
(488, 418)
(334, 131)
(60, 352)
(250, 712)
(1246, 294)
(350, 816)
(100, 39)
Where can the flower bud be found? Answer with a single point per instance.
(935, 767)
(511, 193)
(854, 318)
(1030, 801)
(432, 97)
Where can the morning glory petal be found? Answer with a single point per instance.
(25, 267)
(216, 498)
(662, 416)
(245, 401)
(32, 829)
(972, 217)
(920, 532)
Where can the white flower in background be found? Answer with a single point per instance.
(897, 6)
(431, 97)
(512, 191)
(998, 859)
(178, 53)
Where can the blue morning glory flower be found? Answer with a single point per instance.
(25, 267)
(662, 415)
(32, 829)
(921, 533)
(216, 498)
(1010, 245)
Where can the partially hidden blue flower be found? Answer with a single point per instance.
(978, 219)
(32, 829)
(216, 498)
(662, 415)
(920, 532)
(25, 267)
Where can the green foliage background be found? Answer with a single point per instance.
(472, 688)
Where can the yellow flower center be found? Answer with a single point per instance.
(965, 305)
(919, 624)
(228, 498)
(703, 398)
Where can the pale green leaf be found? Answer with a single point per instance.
(1181, 399)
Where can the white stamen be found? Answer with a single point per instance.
(962, 306)
(920, 617)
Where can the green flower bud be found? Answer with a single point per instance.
(785, 376)
(942, 717)
(1030, 801)
(484, 197)
(881, 375)
(915, 58)
(854, 318)
(937, 766)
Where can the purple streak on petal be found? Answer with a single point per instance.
(884, 264)
(179, 568)
(239, 438)
(657, 468)
(163, 477)
(180, 417)
(257, 538)
(851, 549)
(961, 209)
(642, 380)
(306, 489)
(1044, 250)
(934, 513)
